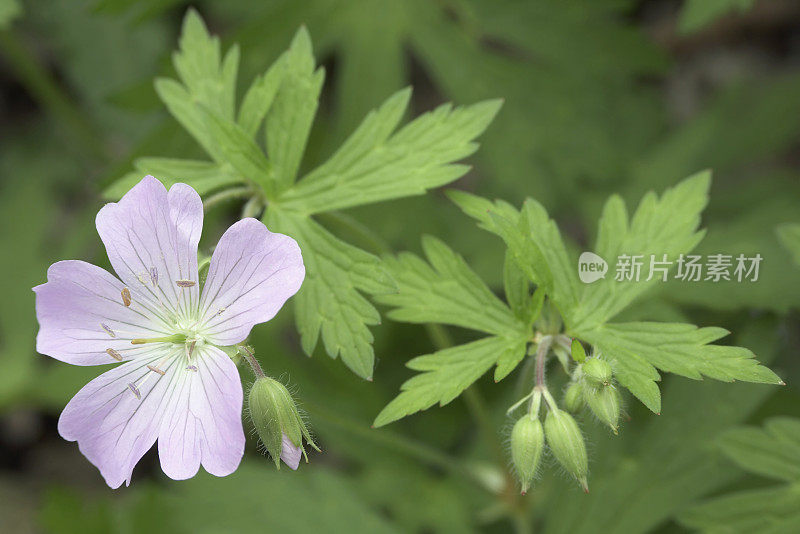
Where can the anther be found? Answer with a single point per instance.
(154, 275)
(191, 368)
(108, 330)
(135, 390)
(185, 283)
(156, 369)
(126, 296)
(114, 354)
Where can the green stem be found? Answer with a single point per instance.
(251, 359)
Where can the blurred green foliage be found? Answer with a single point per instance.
(596, 102)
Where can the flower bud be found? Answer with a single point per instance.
(573, 397)
(527, 444)
(566, 442)
(598, 372)
(605, 404)
(278, 422)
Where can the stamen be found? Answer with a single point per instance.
(114, 354)
(175, 338)
(154, 275)
(135, 390)
(156, 370)
(108, 330)
(185, 283)
(191, 368)
(190, 348)
(126, 296)
(221, 310)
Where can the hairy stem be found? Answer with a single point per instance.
(251, 359)
(541, 359)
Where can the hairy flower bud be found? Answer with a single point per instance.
(573, 397)
(527, 444)
(566, 442)
(278, 421)
(604, 402)
(598, 372)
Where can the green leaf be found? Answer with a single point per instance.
(292, 113)
(660, 226)
(769, 511)
(180, 104)
(203, 176)
(210, 80)
(635, 350)
(789, 235)
(517, 289)
(447, 292)
(375, 165)
(207, 80)
(773, 452)
(239, 150)
(578, 352)
(329, 303)
(259, 98)
(533, 240)
(447, 373)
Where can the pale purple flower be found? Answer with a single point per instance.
(176, 385)
(290, 453)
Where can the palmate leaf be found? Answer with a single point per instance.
(446, 291)
(773, 452)
(207, 87)
(635, 350)
(447, 373)
(666, 225)
(533, 241)
(366, 168)
(668, 462)
(378, 162)
(330, 303)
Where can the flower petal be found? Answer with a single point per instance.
(151, 238)
(204, 421)
(252, 273)
(82, 315)
(114, 423)
(290, 453)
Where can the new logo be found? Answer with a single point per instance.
(591, 267)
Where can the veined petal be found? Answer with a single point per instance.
(115, 418)
(204, 420)
(252, 273)
(151, 238)
(83, 319)
(290, 453)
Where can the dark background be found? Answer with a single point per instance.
(601, 96)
